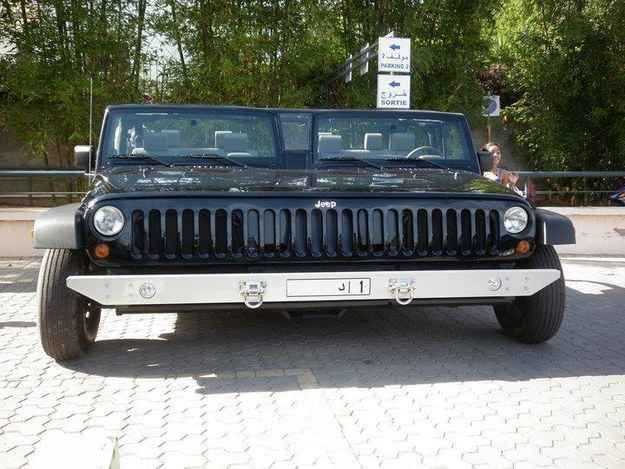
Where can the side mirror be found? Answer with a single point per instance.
(82, 157)
(486, 160)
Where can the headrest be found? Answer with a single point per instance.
(374, 141)
(329, 143)
(219, 137)
(236, 142)
(154, 141)
(402, 141)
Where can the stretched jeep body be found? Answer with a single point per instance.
(198, 207)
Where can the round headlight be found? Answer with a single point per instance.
(515, 220)
(108, 221)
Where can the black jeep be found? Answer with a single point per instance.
(199, 208)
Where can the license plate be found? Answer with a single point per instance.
(328, 287)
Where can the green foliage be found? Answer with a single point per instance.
(565, 62)
(557, 64)
(54, 48)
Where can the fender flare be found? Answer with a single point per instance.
(553, 229)
(59, 228)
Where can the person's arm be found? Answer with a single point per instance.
(508, 177)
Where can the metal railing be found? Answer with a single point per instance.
(73, 174)
(76, 174)
(584, 175)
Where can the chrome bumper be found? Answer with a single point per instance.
(255, 289)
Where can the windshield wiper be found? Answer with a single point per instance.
(351, 159)
(215, 156)
(420, 160)
(148, 158)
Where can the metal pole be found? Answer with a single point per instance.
(90, 118)
(90, 109)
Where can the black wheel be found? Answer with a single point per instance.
(68, 322)
(537, 318)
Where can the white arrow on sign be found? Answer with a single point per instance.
(394, 54)
(394, 91)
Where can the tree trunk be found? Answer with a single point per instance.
(137, 59)
(185, 74)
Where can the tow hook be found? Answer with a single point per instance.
(402, 290)
(252, 293)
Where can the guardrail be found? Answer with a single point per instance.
(76, 174)
(584, 175)
(73, 174)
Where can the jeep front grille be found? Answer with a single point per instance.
(305, 233)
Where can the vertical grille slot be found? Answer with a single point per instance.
(331, 233)
(377, 232)
(155, 242)
(269, 235)
(236, 227)
(466, 235)
(252, 239)
(437, 232)
(452, 232)
(301, 233)
(392, 237)
(221, 233)
(480, 232)
(204, 235)
(171, 233)
(316, 234)
(408, 237)
(363, 233)
(347, 233)
(422, 227)
(495, 232)
(285, 232)
(138, 234)
(187, 234)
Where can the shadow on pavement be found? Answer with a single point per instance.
(369, 347)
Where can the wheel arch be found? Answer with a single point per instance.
(553, 229)
(59, 228)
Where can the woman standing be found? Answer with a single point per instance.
(502, 176)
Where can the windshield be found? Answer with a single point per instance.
(181, 136)
(391, 139)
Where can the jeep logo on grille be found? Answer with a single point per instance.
(325, 204)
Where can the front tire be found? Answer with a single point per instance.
(68, 322)
(537, 318)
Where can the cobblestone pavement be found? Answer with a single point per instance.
(416, 387)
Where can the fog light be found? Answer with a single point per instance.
(101, 250)
(523, 247)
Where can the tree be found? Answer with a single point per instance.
(565, 62)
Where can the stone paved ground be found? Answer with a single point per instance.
(419, 387)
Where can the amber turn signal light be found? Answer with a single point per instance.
(101, 250)
(523, 247)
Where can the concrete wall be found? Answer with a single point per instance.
(600, 231)
(16, 227)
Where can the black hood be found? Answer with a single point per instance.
(136, 179)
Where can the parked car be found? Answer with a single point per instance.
(202, 208)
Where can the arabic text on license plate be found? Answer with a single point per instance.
(328, 287)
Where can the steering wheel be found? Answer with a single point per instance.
(426, 150)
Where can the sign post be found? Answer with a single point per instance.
(393, 73)
(492, 108)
